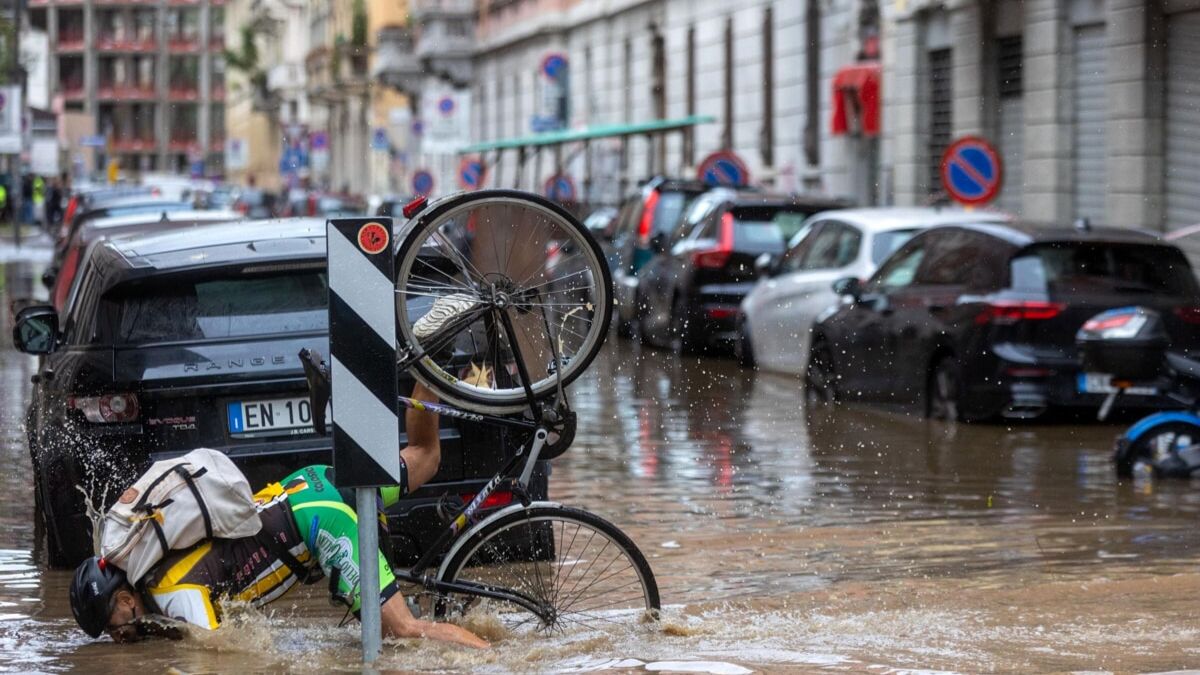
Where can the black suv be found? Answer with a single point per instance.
(650, 213)
(688, 294)
(979, 321)
(189, 339)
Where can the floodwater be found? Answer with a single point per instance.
(847, 541)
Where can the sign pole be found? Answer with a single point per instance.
(366, 415)
(368, 566)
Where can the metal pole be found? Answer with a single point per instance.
(368, 575)
(15, 77)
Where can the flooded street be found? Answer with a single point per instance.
(783, 540)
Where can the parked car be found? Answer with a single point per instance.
(172, 338)
(653, 209)
(87, 197)
(775, 320)
(979, 321)
(688, 294)
(254, 203)
(60, 275)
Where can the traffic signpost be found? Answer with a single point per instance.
(972, 171)
(723, 168)
(422, 183)
(471, 171)
(366, 415)
(560, 188)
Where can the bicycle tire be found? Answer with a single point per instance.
(551, 535)
(577, 304)
(1163, 458)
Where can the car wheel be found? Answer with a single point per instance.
(944, 391)
(743, 348)
(820, 379)
(66, 544)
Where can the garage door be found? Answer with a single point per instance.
(1090, 106)
(1183, 120)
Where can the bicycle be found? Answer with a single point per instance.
(545, 562)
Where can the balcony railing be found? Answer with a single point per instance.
(134, 144)
(422, 9)
(125, 91)
(183, 43)
(217, 92)
(178, 144)
(70, 42)
(285, 76)
(216, 43)
(183, 92)
(73, 91)
(141, 45)
(396, 62)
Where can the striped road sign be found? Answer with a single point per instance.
(362, 348)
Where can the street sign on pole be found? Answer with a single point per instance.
(366, 416)
(560, 188)
(723, 168)
(471, 171)
(422, 183)
(972, 172)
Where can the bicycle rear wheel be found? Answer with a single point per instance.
(585, 571)
(497, 290)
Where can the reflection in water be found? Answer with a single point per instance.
(841, 539)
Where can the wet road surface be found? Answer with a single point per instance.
(848, 540)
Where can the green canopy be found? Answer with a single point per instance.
(589, 133)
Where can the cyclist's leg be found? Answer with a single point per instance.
(329, 527)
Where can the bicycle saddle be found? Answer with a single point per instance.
(316, 373)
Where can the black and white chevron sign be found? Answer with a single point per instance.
(362, 348)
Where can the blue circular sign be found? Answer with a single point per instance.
(422, 182)
(554, 65)
(418, 127)
(560, 188)
(445, 106)
(470, 174)
(972, 171)
(724, 168)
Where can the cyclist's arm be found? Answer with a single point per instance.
(190, 603)
(424, 451)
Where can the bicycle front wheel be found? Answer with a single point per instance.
(581, 569)
(499, 292)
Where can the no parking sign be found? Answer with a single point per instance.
(972, 171)
(724, 168)
(560, 188)
(470, 173)
(422, 182)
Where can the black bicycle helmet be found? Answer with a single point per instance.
(91, 593)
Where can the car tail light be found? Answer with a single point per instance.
(106, 408)
(720, 312)
(1188, 314)
(1005, 312)
(497, 498)
(647, 218)
(1019, 371)
(69, 215)
(715, 258)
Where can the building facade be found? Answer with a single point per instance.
(141, 83)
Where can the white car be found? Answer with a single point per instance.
(776, 317)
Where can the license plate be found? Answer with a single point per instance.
(270, 417)
(1101, 383)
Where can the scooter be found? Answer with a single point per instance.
(1131, 344)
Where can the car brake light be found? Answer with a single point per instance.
(715, 258)
(107, 408)
(497, 498)
(1188, 314)
(647, 218)
(720, 312)
(1010, 312)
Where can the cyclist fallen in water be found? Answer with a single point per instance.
(309, 531)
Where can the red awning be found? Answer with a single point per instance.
(857, 87)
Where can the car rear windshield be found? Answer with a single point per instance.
(1086, 267)
(669, 211)
(224, 307)
(760, 226)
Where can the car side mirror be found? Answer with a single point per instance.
(766, 265)
(36, 330)
(849, 286)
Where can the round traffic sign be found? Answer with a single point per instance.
(445, 106)
(554, 65)
(723, 168)
(422, 182)
(972, 171)
(470, 173)
(560, 188)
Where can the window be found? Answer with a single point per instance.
(900, 271)
(223, 307)
(941, 121)
(801, 244)
(961, 258)
(887, 242)
(1076, 267)
(836, 246)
